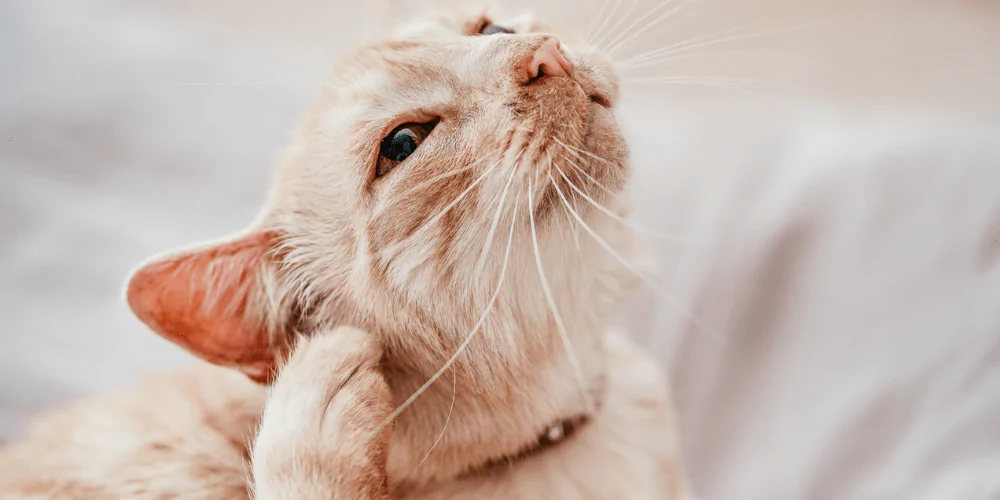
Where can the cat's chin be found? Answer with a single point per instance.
(603, 133)
(601, 118)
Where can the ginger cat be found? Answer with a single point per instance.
(428, 292)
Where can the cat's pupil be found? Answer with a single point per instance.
(402, 142)
(401, 145)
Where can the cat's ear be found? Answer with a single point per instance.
(214, 302)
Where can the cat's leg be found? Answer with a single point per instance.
(324, 432)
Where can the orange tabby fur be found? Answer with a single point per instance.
(456, 239)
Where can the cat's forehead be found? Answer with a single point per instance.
(402, 66)
(443, 49)
(427, 72)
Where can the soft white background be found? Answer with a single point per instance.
(830, 313)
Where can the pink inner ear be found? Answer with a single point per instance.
(202, 300)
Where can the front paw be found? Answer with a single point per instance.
(324, 432)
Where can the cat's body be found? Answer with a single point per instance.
(187, 435)
(456, 197)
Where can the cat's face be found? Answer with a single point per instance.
(434, 163)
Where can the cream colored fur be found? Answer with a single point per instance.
(437, 268)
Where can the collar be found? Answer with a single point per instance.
(553, 435)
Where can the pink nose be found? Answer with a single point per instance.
(548, 60)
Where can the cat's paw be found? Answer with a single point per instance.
(324, 431)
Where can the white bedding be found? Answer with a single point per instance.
(831, 305)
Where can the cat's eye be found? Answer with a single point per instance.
(486, 27)
(402, 142)
(493, 29)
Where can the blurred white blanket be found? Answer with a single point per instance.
(844, 273)
(831, 305)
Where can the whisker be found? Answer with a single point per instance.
(576, 241)
(496, 220)
(599, 19)
(472, 334)
(631, 267)
(730, 35)
(439, 178)
(573, 151)
(743, 85)
(682, 55)
(600, 43)
(599, 34)
(627, 30)
(588, 153)
(454, 392)
(563, 333)
(705, 78)
(608, 212)
(573, 228)
(629, 36)
(576, 233)
(445, 210)
(710, 38)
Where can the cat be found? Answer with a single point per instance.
(423, 309)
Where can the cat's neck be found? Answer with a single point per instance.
(461, 424)
(524, 370)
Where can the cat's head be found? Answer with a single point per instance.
(442, 173)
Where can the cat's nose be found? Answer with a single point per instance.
(548, 60)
